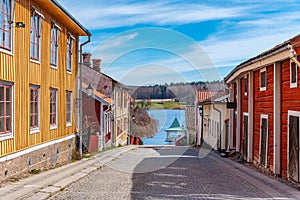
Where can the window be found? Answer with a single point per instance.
(69, 108)
(293, 75)
(35, 34)
(53, 108)
(5, 24)
(70, 45)
(54, 44)
(5, 108)
(34, 108)
(246, 85)
(263, 79)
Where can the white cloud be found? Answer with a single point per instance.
(97, 15)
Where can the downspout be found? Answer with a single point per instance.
(79, 97)
(220, 121)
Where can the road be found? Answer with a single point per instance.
(176, 173)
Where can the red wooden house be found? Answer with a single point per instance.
(266, 120)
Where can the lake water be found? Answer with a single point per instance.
(165, 119)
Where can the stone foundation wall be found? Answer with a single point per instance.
(44, 158)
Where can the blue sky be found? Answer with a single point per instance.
(152, 42)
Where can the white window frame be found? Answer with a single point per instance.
(11, 134)
(70, 46)
(57, 29)
(10, 50)
(264, 116)
(295, 84)
(35, 12)
(71, 108)
(264, 88)
(36, 129)
(295, 114)
(54, 126)
(246, 78)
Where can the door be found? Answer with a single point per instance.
(245, 142)
(263, 142)
(294, 147)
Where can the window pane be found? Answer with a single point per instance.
(8, 94)
(8, 109)
(293, 73)
(1, 125)
(263, 79)
(8, 124)
(1, 109)
(31, 120)
(36, 120)
(1, 93)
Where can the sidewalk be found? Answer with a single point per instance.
(45, 184)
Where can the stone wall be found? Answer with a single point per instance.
(44, 158)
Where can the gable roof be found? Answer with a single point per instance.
(276, 49)
(60, 12)
(175, 126)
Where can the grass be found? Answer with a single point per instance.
(163, 105)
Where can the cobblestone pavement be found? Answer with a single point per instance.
(176, 173)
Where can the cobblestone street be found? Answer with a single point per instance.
(175, 173)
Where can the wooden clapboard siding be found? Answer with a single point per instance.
(18, 69)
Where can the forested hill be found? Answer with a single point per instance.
(180, 91)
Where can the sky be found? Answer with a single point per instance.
(162, 41)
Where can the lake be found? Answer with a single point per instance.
(165, 119)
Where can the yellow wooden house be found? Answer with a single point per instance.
(39, 45)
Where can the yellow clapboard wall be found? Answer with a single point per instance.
(18, 68)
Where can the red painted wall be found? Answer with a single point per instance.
(90, 112)
(290, 101)
(263, 104)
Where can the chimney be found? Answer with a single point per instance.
(96, 64)
(87, 59)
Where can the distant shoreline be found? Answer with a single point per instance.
(167, 105)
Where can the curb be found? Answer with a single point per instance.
(96, 162)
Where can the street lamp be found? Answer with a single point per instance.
(89, 90)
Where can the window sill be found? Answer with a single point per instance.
(69, 124)
(35, 61)
(6, 136)
(293, 85)
(69, 72)
(9, 52)
(35, 130)
(53, 127)
(262, 89)
(53, 66)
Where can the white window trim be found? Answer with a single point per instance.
(296, 114)
(10, 135)
(37, 130)
(246, 78)
(68, 124)
(293, 85)
(264, 116)
(40, 39)
(262, 88)
(11, 51)
(55, 25)
(72, 38)
(56, 108)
